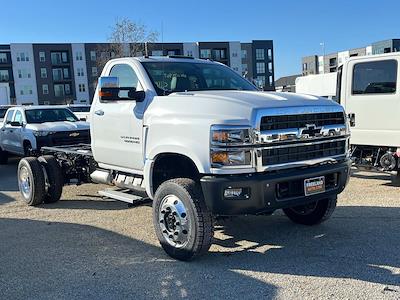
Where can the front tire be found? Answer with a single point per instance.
(55, 180)
(31, 181)
(312, 214)
(182, 222)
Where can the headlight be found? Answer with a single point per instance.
(230, 136)
(220, 158)
(42, 133)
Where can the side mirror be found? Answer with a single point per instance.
(16, 124)
(109, 90)
(82, 119)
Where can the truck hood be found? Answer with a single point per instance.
(232, 107)
(59, 126)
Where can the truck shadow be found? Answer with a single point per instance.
(62, 260)
(8, 183)
(390, 179)
(357, 242)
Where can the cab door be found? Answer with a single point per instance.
(117, 125)
(6, 130)
(372, 100)
(15, 134)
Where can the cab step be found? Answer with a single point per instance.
(124, 195)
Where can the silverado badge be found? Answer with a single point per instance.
(74, 134)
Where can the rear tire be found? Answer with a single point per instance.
(54, 178)
(312, 214)
(3, 157)
(31, 181)
(182, 222)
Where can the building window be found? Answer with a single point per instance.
(270, 80)
(43, 72)
(59, 57)
(78, 55)
(26, 90)
(58, 90)
(80, 72)
(304, 66)
(22, 56)
(205, 53)
(94, 71)
(260, 67)
(67, 89)
(260, 81)
(82, 87)
(269, 53)
(244, 53)
(171, 52)
(45, 89)
(189, 53)
(66, 73)
(218, 54)
(234, 54)
(270, 67)
(3, 58)
(42, 56)
(24, 74)
(375, 77)
(93, 55)
(57, 74)
(260, 54)
(4, 76)
(157, 53)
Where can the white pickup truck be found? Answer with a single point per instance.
(200, 141)
(26, 129)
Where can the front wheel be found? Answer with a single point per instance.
(31, 181)
(312, 214)
(182, 222)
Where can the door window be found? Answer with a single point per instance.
(9, 116)
(126, 76)
(375, 77)
(18, 117)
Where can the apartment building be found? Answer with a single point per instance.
(67, 73)
(329, 63)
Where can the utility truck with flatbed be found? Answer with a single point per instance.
(201, 142)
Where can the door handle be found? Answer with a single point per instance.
(352, 119)
(99, 112)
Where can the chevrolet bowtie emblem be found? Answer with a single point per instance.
(311, 130)
(75, 134)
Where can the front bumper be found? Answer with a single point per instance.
(272, 190)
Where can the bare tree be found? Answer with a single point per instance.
(127, 38)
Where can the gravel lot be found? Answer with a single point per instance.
(85, 247)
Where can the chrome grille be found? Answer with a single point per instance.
(302, 120)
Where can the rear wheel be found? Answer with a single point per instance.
(3, 157)
(182, 222)
(31, 181)
(54, 179)
(312, 214)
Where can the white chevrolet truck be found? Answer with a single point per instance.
(201, 142)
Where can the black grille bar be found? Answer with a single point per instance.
(299, 121)
(284, 155)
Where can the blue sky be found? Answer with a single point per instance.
(296, 27)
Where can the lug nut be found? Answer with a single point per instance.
(177, 224)
(164, 231)
(184, 231)
(176, 233)
(183, 215)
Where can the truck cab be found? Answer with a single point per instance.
(369, 89)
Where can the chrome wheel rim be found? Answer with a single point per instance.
(25, 182)
(174, 221)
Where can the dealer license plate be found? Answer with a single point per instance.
(314, 185)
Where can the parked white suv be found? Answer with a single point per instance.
(27, 128)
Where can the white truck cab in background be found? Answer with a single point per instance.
(369, 90)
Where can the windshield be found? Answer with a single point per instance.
(170, 77)
(37, 116)
(2, 112)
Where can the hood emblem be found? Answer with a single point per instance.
(311, 130)
(74, 134)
